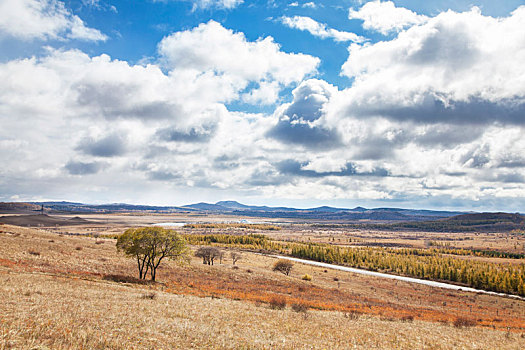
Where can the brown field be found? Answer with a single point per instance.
(59, 291)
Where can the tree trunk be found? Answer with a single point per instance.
(153, 273)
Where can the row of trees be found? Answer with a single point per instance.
(149, 246)
(505, 278)
(235, 225)
(209, 254)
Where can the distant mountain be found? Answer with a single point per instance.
(489, 217)
(238, 206)
(329, 209)
(472, 222)
(18, 207)
(72, 207)
(234, 205)
(322, 213)
(206, 207)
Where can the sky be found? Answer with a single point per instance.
(412, 104)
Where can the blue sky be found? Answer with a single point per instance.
(404, 103)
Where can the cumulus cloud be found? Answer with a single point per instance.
(385, 17)
(320, 30)
(296, 168)
(43, 20)
(108, 146)
(433, 112)
(454, 69)
(81, 168)
(201, 134)
(299, 121)
(227, 56)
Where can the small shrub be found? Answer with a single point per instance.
(34, 252)
(306, 277)
(235, 267)
(149, 296)
(353, 315)
(278, 302)
(461, 322)
(407, 318)
(283, 266)
(299, 307)
(124, 279)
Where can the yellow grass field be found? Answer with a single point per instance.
(55, 294)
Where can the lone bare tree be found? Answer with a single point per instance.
(150, 245)
(236, 256)
(208, 254)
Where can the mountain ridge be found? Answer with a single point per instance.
(234, 207)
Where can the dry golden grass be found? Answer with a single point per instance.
(59, 299)
(329, 289)
(42, 311)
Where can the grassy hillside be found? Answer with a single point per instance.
(60, 292)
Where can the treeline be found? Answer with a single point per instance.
(265, 227)
(456, 251)
(502, 224)
(480, 252)
(252, 241)
(504, 278)
(420, 263)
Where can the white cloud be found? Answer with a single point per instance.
(320, 30)
(266, 94)
(227, 4)
(385, 17)
(454, 68)
(43, 19)
(210, 4)
(218, 52)
(300, 122)
(309, 4)
(115, 124)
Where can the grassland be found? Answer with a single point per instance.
(59, 291)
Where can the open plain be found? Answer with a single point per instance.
(68, 287)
